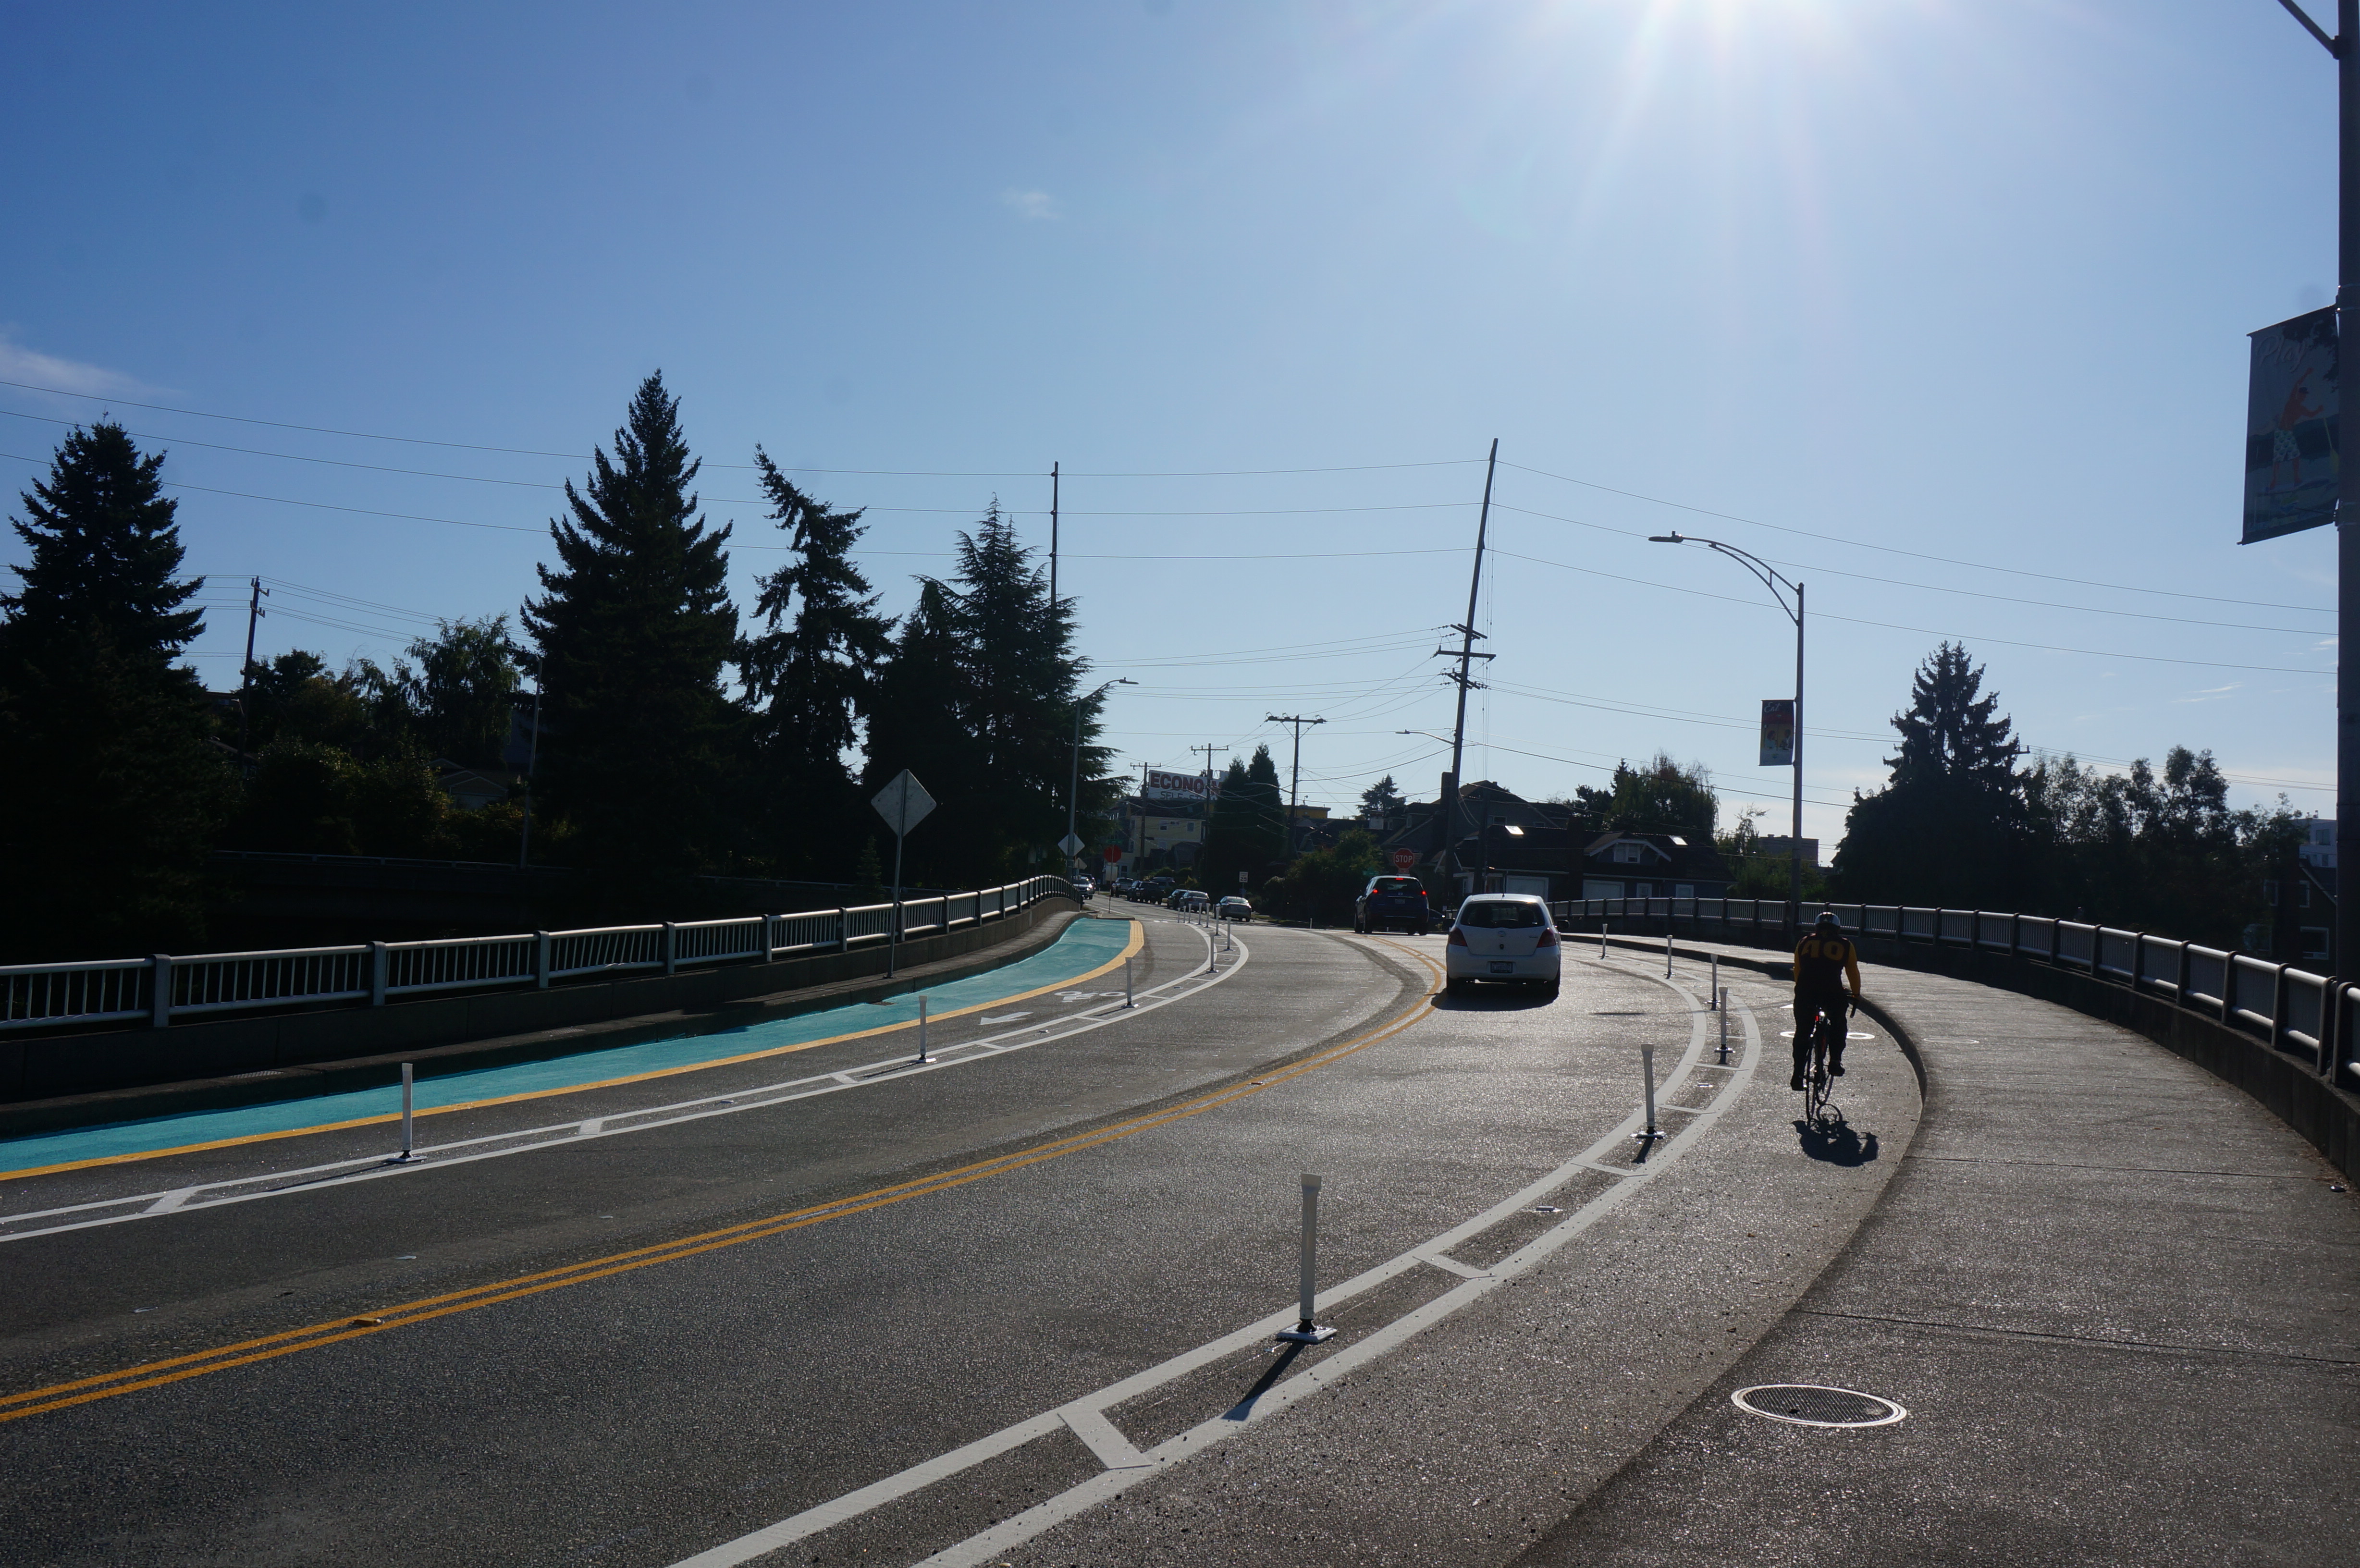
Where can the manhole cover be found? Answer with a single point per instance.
(1810, 1404)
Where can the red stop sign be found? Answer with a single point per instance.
(1404, 859)
(1112, 852)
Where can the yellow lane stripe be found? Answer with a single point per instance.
(153, 1374)
(1137, 940)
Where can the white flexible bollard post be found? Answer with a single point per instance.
(407, 1143)
(923, 1058)
(1126, 985)
(1648, 1069)
(1713, 997)
(1306, 1329)
(1601, 940)
(1722, 993)
(1668, 947)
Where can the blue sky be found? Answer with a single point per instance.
(1941, 305)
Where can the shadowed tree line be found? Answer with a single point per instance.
(678, 737)
(1961, 824)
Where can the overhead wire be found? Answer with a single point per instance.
(1896, 549)
(1921, 631)
(1968, 592)
(789, 468)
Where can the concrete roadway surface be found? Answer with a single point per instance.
(642, 1348)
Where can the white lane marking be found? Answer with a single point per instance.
(589, 1129)
(526, 1140)
(978, 1550)
(170, 1201)
(1003, 1018)
(1099, 1435)
(852, 1505)
(1452, 1266)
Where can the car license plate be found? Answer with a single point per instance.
(1503, 969)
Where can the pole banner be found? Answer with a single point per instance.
(2292, 427)
(1779, 731)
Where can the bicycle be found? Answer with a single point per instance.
(1826, 1028)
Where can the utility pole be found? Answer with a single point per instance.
(1293, 788)
(1467, 636)
(1139, 857)
(1053, 538)
(1209, 751)
(246, 671)
(2345, 48)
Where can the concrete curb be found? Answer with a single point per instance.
(1028, 933)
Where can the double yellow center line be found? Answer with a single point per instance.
(178, 1368)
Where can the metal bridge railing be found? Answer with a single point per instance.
(2314, 1016)
(51, 995)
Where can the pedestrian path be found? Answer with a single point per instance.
(2115, 1295)
(1087, 948)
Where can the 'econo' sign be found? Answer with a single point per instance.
(1178, 786)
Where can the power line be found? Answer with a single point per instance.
(1896, 549)
(1924, 631)
(585, 457)
(1973, 592)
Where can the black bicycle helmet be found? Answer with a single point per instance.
(1827, 921)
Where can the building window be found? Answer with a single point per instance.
(1684, 890)
(1626, 855)
(2303, 895)
(1643, 890)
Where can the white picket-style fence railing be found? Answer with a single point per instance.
(2291, 1009)
(170, 986)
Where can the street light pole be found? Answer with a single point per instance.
(1074, 784)
(2346, 962)
(1773, 581)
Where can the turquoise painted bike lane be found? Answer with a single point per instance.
(1087, 947)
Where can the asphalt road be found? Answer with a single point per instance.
(1014, 1307)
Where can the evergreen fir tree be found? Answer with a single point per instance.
(633, 630)
(979, 700)
(1951, 730)
(918, 721)
(104, 547)
(1950, 827)
(114, 792)
(1382, 799)
(810, 676)
(1248, 825)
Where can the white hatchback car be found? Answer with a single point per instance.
(1502, 936)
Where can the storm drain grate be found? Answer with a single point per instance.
(1812, 1404)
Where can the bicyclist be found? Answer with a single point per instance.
(1824, 960)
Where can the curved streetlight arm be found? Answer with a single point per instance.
(1769, 575)
(1773, 580)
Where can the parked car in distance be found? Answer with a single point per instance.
(1190, 901)
(1502, 937)
(1236, 908)
(1389, 901)
(1085, 887)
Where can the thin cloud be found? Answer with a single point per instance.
(1038, 204)
(34, 368)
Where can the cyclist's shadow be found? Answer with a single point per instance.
(1834, 1140)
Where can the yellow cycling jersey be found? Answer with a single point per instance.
(1823, 963)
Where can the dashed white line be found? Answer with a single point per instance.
(1087, 1418)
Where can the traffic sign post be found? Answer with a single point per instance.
(1404, 859)
(903, 803)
